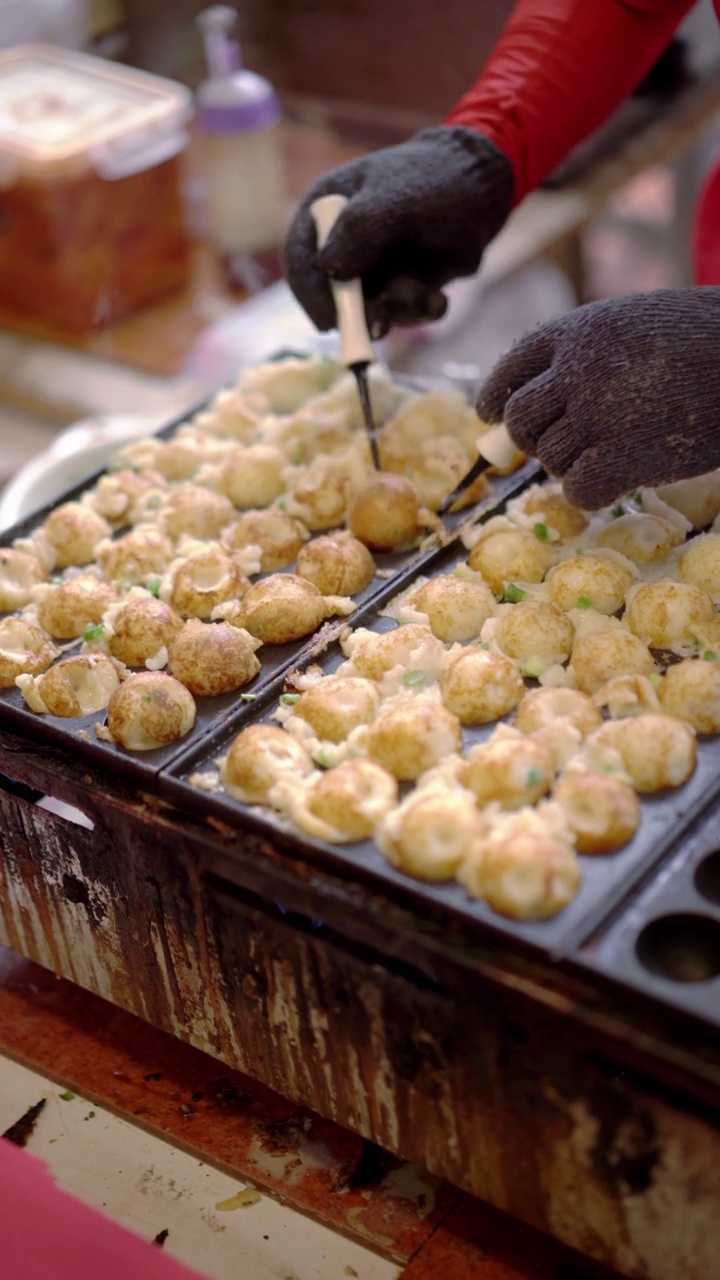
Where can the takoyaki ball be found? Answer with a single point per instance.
(455, 607)
(697, 499)
(384, 512)
(522, 870)
(594, 581)
(338, 704)
(431, 833)
(66, 610)
(231, 415)
(211, 658)
(149, 710)
(425, 417)
(136, 556)
(75, 686)
(512, 771)
(510, 555)
(279, 536)
(601, 655)
(667, 613)
(205, 579)
(412, 736)
(260, 757)
(285, 385)
(657, 751)
(690, 690)
(602, 811)
(174, 459)
(642, 537)
(540, 708)
(627, 696)
(19, 573)
(535, 633)
(374, 654)
(337, 563)
(73, 531)
(480, 685)
(436, 470)
(142, 627)
(549, 504)
(700, 563)
(25, 649)
(195, 512)
(252, 476)
(352, 799)
(125, 497)
(284, 608)
(318, 497)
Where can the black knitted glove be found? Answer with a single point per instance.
(617, 394)
(419, 215)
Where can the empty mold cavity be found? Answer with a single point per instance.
(707, 877)
(684, 947)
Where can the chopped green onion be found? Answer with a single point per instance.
(322, 759)
(514, 594)
(638, 498)
(147, 697)
(121, 584)
(534, 778)
(153, 586)
(281, 504)
(67, 1096)
(93, 632)
(154, 501)
(583, 603)
(655, 678)
(290, 699)
(248, 697)
(617, 511)
(414, 677)
(485, 645)
(541, 531)
(710, 655)
(608, 767)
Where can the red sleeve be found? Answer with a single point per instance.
(558, 70)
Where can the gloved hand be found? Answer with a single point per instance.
(617, 394)
(419, 215)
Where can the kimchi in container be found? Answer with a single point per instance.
(92, 225)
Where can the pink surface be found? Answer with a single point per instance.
(46, 1234)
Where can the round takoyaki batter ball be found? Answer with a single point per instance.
(522, 870)
(73, 531)
(338, 704)
(642, 537)
(337, 563)
(384, 512)
(690, 690)
(353, 798)
(657, 751)
(512, 771)
(456, 608)
(549, 504)
(412, 736)
(140, 628)
(281, 609)
(66, 610)
(252, 476)
(210, 658)
(599, 656)
(318, 497)
(148, 710)
(121, 497)
(510, 555)
(75, 686)
(19, 573)
(532, 631)
(374, 654)
(278, 535)
(603, 812)
(25, 649)
(204, 580)
(698, 499)
(604, 583)
(143, 553)
(667, 613)
(258, 758)
(431, 833)
(540, 708)
(700, 563)
(480, 685)
(195, 512)
(435, 470)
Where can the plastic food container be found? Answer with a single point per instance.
(92, 224)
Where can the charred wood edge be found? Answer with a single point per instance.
(20, 1132)
(672, 1051)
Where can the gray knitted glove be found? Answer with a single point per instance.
(617, 394)
(419, 215)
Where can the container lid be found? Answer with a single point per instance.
(65, 110)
